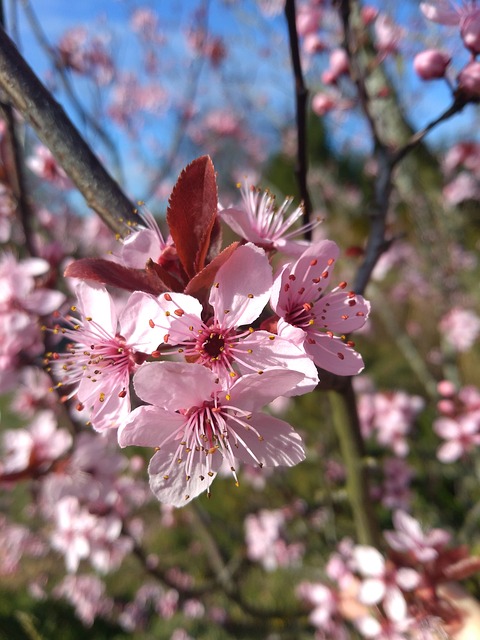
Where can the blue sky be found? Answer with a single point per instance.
(272, 82)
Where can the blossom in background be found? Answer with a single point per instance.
(309, 317)
(194, 425)
(36, 447)
(238, 297)
(383, 582)
(106, 349)
(45, 166)
(461, 328)
(465, 14)
(261, 221)
(461, 433)
(265, 543)
(408, 537)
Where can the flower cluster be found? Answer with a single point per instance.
(196, 334)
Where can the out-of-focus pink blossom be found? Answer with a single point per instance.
(383, 582)
(387, 35)
(325, 615)
(465, 14)
(431, 64)
(265, 542)
(308, 19)
(462, 434)
(339, 65)
(463, 187)
(408, 537)
(44, 165)
(86, 593)
(34, 448)
(323, 103)
(461, 328)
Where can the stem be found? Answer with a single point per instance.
(301, 95)
(347, 426)
(50, 122)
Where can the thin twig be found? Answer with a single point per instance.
(301, 96)
(50, 122)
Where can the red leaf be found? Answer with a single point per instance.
(108, 272)
(192, 212)
(170, 281)
(204, 280)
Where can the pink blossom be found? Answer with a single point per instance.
(323, 103)
(408, 537)
(259, 220)
(107, 348)
(36, 447)
(464, 186)
(431, 64)
(387, 34)
(462, 434)
(86, 593)
(325, 615)
(146, 242)
(466, 15)
(195, 424)
(461, 328)
(16, 543)
(74, 526)
(339, 65)
(45, 166)
(265, 543)
(238, 297)
(308, 19)
(384, 583)
(310, 318)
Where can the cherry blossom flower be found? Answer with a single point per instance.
(265, 544)
(325, 615)
(34, 448)
(194, 425)
(106, 349)
(383, 582)
(310, 318)
(45, 166)
(408, 537)
(461, 328)
(462, 434)
(259, 220)
(86, 593)
(465, 14)
(238, 297)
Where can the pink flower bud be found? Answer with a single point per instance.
(431, 64)
(470, 31)
(308, 20)
(368, 14)
(446, 388)
(322, 104)
(469, 80)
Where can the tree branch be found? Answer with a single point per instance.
(50, 122)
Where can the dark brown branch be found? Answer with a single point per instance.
(50, 122)
(301, 95)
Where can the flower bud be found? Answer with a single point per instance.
(431, 64)
(469, 80)
(322, 104)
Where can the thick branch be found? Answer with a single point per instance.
(50, 122)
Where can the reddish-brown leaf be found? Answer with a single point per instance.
(204, 280)
(114, 274)
(170, 281)
(192, 213)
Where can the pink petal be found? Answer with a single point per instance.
(174, 385)
(395, 605)
(149, 427)
(177, 490)
(332, 354)
(270, 350)
(244, 282)
(440, 11)
(446, 428)
(372, 590)
(254, 391)
(280, 445)
(369, 561)
(135, 322)
(94, 301)
(450, 451)
(240, 222)
(339, 315)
